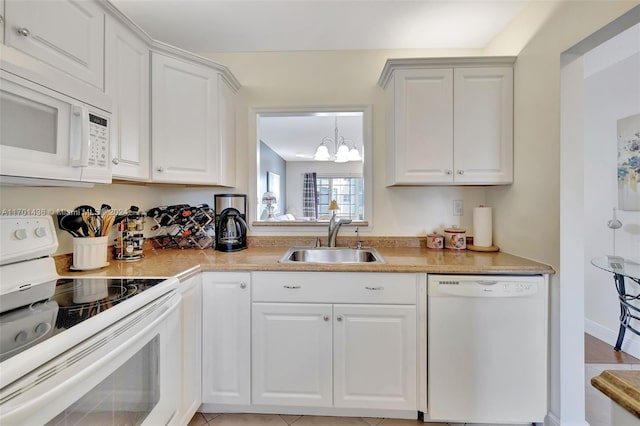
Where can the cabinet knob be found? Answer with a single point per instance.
(115, 161)
(243, 285)
(291, 286)
(326, 317)
(460, 172)
(374, 288)
(23, 31)
(339, 318)
(448, 172)
(160, 169)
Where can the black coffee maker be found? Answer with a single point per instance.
(231, 222)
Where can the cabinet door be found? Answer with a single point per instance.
(127, 81)
(227, 133)
(226, 338)
(292, 354)
(375, 356)
(423, 140)
(2, 21)
(66, 34)
(184, 114)
(483, 134)
(191, 313)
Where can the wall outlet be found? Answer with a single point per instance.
(457, 207)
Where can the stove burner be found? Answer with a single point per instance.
(80, 299)
(72, 314)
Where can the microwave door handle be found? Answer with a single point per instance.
(80, 140)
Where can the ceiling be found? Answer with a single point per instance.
(276, 25)
(295, 137)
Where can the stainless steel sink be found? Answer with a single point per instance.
(331, 255)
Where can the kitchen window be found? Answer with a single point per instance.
(347, 191)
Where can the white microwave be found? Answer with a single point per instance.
(46, 135)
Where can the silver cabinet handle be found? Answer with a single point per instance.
(374, 288)
(326, 317)
(460, 172)
(243, 285)
(115, 161)
(24, 31)
(448, 172)
(339, 318)
(291, 286)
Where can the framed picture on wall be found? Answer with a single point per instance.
(629, 163)
(273, 185)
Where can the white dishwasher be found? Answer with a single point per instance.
(487, 348)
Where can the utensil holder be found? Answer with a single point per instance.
(89, 253)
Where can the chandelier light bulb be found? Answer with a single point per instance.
(354, 155)
(322, 153)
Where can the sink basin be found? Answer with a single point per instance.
(331, 255)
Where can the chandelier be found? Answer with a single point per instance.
(341, 151)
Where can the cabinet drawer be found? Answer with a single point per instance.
(334, 287)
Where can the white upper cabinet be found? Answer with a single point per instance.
(483, 118)
(188, 116)
(422, 118)
(127, 82)
(67, 35)
(449, 121)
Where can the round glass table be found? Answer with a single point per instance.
(622, 268)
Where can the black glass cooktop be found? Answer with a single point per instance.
(79, 299)
(75, 300)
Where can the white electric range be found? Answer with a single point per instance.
(78, 350)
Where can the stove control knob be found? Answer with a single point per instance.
(21, 337)
(20, 233)
(43, 328)
(41, 231)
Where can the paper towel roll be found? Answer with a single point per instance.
(482, 227)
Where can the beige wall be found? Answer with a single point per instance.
(346, 78)
(528, 212)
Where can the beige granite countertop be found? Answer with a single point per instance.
(185, 263)
(622, 386)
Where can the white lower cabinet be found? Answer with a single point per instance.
(374, 356)
(191, 322)
(292, 354)
(318, 345)
(226, 338)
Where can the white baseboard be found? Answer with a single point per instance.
(312, 411)
(630, 345)
(551, 420)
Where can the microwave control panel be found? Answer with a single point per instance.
(99, 135)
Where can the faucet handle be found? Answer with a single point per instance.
(358, 242)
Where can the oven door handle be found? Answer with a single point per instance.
(34, 400)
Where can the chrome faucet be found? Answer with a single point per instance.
(334, 227)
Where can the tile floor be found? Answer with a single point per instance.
(202, 419)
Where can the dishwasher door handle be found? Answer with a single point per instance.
(487, 282)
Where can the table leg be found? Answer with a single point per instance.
(620, 338)
(624, 311)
